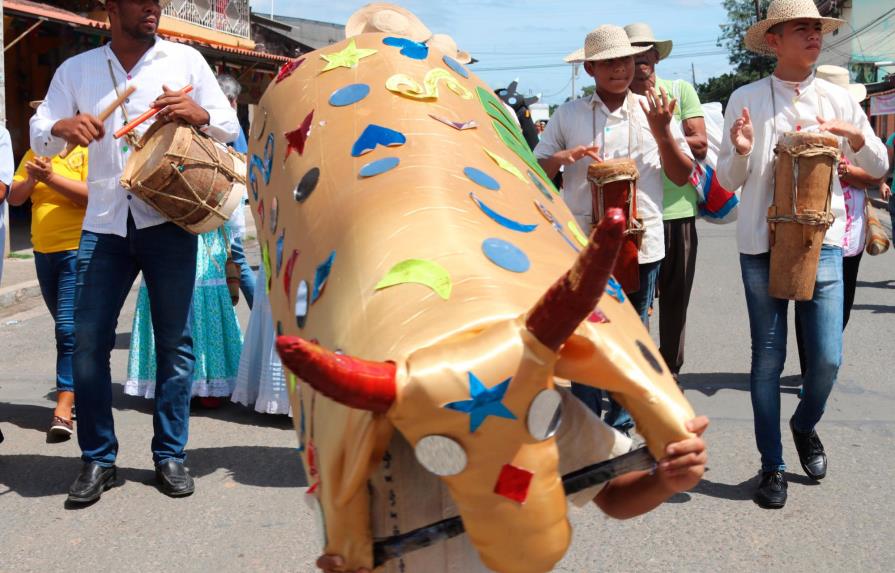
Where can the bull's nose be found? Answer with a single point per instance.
(513, 483)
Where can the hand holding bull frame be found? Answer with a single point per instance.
(549, 332)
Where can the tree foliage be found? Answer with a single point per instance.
(748, 66)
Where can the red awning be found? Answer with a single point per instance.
(38, 10)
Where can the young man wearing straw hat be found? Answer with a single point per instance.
(792, 99)
(679, 202)
(122, 236)
(613, 123)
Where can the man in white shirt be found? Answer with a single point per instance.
(123, 236)
(792, 99)
(614, 123)
(7, 167)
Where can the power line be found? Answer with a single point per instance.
(564, 65)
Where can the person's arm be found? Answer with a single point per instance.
(659, 111)
(41, 169)
(551, 149)
(21, 190)
(694, 133)
(736, 145)
(864, 149)
(223, 123)
(7, 165)
(56, 121)
(857, 177)
(890, 150)
(637, 493)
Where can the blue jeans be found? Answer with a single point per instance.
(821, 323)
(107, 267)
(246, 276)
(892, 212)
(616, 416)
(57, 274)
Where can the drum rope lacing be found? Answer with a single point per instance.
(812, 217)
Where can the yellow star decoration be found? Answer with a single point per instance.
(506, 165)
(347, 58)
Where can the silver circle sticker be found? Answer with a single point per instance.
(545, 414)
(440, 455)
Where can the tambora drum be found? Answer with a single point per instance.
(800, 214)
(191, 179)
(613, 183)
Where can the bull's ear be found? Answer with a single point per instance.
(356, 383)
(574, 296)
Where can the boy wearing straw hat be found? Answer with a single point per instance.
(679, 202)
(792, 99)
(613, 123)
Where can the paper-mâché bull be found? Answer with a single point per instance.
(425, 276)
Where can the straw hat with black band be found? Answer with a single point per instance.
(785, 11)
(840, 76)
(641, 34)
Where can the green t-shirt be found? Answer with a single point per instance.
(891, 143)
(680, 201)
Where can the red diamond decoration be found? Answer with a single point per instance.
(312, 460)
(296, 139)
(287, 276)
(598, 317)
(287, 69)
(513, 483)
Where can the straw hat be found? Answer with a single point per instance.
(387, 18)
(840, 76)
(575, 57)
(162, 2)
(784, 11)
(608, 42)
(641, 34)
(447, 45)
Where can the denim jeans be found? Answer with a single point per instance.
(57, 275)
(246, 276)
(616, 416)
(821, 322)
(107, 267)
(892, 212)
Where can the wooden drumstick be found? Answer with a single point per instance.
(103, 116)
(143, 117)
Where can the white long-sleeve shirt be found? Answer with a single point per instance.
(797, 108)
(587, 121)
(84, 84)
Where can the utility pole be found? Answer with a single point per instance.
(574, 73)
(757, 10)
(693, 71)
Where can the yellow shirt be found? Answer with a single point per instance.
(56, 220)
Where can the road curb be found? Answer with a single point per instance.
(14, 294)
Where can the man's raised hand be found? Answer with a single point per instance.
(741, 133)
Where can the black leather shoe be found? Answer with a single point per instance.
(811, 452)
(93, 480)
(174, 479)
(771, 493)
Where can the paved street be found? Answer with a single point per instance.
(248, 513)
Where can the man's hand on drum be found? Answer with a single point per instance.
(742, 134)
(80, 129)
(334, 564)
(570, 156)
(843, 129)
(176, 105)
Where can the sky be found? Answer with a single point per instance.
(527, 39)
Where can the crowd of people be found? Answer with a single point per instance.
(92, 238)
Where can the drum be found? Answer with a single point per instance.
(191, 179)
(613, 183)
(800, 214)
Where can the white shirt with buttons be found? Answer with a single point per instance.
(84, 84)
(587, 121)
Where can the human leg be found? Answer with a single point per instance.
(167, 255)
(850, 267)
(246, 276)
(105, 272)
(676, 283)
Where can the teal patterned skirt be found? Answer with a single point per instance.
(217, 338)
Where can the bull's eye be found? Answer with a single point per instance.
(440, 455)
(650, 357)
(545, 414)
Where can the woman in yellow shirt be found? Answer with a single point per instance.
(58, 192)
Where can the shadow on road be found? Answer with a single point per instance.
(744, 490)
(876, 284)
(875, 308)
(31, 475)
(709, 384)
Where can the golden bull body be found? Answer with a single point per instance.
(334, 235)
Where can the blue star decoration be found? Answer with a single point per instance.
(485, 402)
(614, 288)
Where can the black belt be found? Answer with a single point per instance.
(388, 548)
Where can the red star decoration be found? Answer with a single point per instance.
(513, 483)
(287, 69)
(598, 317)
(296, 139)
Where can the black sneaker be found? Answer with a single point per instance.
(771, 492)
(811, 452)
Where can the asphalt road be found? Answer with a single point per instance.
(248, 513)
